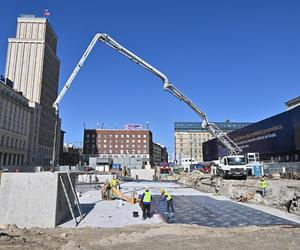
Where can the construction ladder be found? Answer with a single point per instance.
(68, 198)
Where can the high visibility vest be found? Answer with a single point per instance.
(167, 194)
(113, 183)
(147, 197)
(262, 185)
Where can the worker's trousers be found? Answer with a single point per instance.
(170, 205)
(146, 211)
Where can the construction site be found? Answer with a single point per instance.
(243, 193)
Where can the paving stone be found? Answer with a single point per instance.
(206, 211)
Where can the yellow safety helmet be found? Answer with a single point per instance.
(162, 190)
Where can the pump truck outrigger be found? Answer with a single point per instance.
(232, 147)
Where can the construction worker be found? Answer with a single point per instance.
(217, 187)
(114, 182)
(262, 187)
(146, 200)
(165, 195)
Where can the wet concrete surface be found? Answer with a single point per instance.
(206, 211)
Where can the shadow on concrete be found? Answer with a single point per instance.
(86, 208)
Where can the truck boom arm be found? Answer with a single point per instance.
(212, 128)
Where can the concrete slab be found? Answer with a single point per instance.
(109, 214)
(191, 207)
(34, 199)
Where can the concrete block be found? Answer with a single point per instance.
(92, 178)
(143, 174)
(34, 199)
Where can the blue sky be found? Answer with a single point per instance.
(236, 60)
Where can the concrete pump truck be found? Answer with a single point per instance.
(232, 165)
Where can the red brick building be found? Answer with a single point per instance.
(116, 143)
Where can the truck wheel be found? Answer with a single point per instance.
(245, 177)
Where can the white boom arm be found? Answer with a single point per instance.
(212, 128)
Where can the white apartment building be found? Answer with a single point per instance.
(189, 136)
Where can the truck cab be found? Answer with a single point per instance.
(233, 166)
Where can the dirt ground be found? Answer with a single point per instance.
(163, 236)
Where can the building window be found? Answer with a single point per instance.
(104, 145)
(139, 136)
(104, 140)
(127, 141)
(122, 136)
(139, 151)
(145, 146)
(110, 146)
(122, 145)
(144, 141)
(110, 151)
(127, 146)
(127, 136)
(110, 136)
(116, 146)
(87, 136)
(99, 136)
(145, 136)
(133, 141)
(116, 136)
(133, 145)
(139, 141)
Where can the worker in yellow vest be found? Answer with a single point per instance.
(114, 182)
(165, 195)
(262, 187)
(146, 200)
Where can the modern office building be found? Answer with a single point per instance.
(160, 154)
(15, 127)
(33, 66)
(276, 138)
(120, 144)
(189, 136)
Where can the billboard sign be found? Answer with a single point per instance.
(133, 126)
(280, 133)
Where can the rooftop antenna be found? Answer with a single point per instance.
(147, 125)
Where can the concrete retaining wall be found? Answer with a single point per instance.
(34, 199)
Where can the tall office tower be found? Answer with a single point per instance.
(33, 66)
